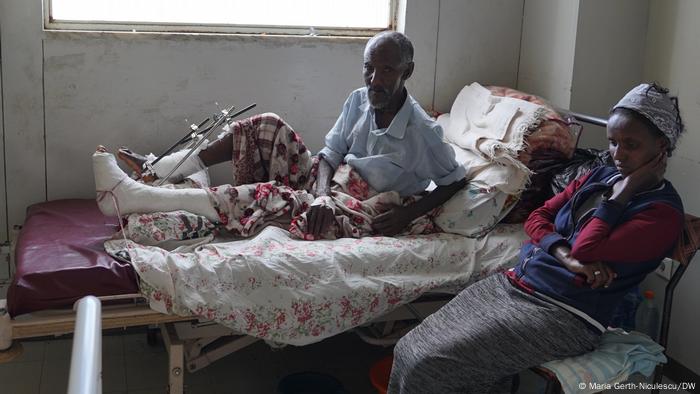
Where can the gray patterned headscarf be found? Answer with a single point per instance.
(654, 103)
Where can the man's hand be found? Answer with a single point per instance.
(319, 218)
(392, 221)
(597, 274)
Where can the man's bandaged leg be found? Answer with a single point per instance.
(190, 166)
(134, 197)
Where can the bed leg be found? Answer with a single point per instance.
(176, 371)
(8, 350)
(5, 327)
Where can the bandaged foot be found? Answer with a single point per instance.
(114, 187)
(165, 165)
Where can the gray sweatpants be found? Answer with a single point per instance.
(486, 334)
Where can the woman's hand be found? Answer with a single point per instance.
(597, 274)
(650, 174)
(392, 221)
(643, 178)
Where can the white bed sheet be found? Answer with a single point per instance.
(298, 292)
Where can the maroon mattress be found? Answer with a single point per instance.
(60, 258)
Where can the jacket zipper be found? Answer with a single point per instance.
(574, 201)
(529, 257)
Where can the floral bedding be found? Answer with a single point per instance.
(298, 292)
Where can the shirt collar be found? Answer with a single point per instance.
(397, 127)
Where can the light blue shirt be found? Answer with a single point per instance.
(403, 157)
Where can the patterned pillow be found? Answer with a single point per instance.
(553, 141)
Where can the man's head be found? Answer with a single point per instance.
(388, 63)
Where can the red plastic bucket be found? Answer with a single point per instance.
(379, 374)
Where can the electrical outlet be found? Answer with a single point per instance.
(665, 269)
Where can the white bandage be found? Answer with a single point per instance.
(117, 193)
(325, 201)
(190, 166)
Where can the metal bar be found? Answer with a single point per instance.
(666, 319)
(227, 117)
(594, 120)
(86, 357)
(182, 140)
(668, 303)
(209, 356)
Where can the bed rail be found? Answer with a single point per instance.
(594, 120)
(86, 357)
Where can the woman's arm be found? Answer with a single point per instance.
(539, 226)
(647, 235)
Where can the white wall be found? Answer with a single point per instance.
(476, 43)
(609, 58)
(138, 90)
(583, 55)
(67, 92)
(547, 49)
(673, 59)
(20, 24)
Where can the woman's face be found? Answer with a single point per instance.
(631, 142)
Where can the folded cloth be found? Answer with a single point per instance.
(619, 355)
(487, 133)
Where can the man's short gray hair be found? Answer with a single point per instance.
(400, 39)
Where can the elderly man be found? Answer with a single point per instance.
(382, 134)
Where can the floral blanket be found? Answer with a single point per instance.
(291, 291)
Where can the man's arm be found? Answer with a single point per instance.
(323, 180)
(321, 216)
(395, 220)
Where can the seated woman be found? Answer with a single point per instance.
(589, 245)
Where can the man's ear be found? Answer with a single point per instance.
(663, 144)
(409, 71)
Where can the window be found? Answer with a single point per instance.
(322, 17)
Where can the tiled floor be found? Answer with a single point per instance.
(132, 366)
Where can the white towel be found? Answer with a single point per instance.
(619, 355)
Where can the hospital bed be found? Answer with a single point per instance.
(59, 258)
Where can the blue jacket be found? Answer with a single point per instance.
(620, 232)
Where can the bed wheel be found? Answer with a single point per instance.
(152, 336)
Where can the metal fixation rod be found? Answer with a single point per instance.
(227, 117)
(190, 134)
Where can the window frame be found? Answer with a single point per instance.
(185, 28)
